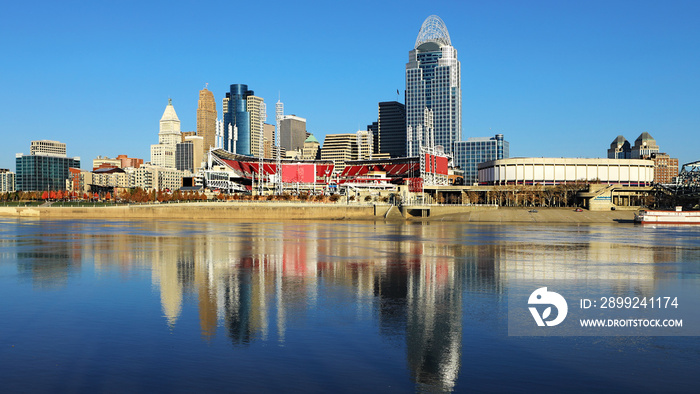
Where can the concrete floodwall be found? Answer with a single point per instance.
(257, 211)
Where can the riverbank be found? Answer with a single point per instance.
(548, 215)
(266, 211)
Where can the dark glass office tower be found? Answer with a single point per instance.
(237, 117)
(391, 132)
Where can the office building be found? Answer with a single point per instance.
(474, 151)
(7, 181)
(665, 168)
(374, 129)
(433, 89)
(163, 153)
(47, 148)
(391, 129)
(644, 146)
(341, 148)
(255, 107)
(237, 121)
(292, 132)
(269, 140)
(188, 154)
(206, 119)
(312, 149)
(620, 149)
(45, 169)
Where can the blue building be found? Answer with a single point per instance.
(470, 153)
(237, 120)
(43, 172)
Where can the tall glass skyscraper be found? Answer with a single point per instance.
(237, 120)
(433, 81)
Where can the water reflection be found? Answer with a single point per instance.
(254, 280)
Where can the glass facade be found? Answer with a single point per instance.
(433, 81)
(470, 153)
(237, 118)
(184, 156)
(43, 173)
(391, 130)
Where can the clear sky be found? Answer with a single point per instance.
(557, 78)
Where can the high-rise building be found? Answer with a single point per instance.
(391, 131)
(433, 82)
(474, 151)
(237, 120)
(254, 106)
(292, 132)
(45, 168)
(644, 146)
(7, 180)
(339, 148)
(269, 141)
(163, 153)
(374, 129)
(620, 149)
(206, 119)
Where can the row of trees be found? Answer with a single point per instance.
(53, 195)
(529, 195)
(126, 196)
(303, 196)
(140, 195)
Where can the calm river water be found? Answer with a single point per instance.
(168, 306)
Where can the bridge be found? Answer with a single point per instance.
(685, 191)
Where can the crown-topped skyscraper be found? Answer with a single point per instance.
(433, 82)
(206, 119)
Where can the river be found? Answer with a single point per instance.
(295, 306)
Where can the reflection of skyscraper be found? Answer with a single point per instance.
(433, 81)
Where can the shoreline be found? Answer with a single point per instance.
(265, 211)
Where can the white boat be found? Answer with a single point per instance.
(668, 217)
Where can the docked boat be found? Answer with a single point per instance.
(668, 217)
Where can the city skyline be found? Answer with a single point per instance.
(543, 74)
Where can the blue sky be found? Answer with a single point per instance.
(557, 78)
